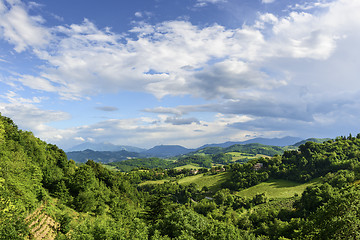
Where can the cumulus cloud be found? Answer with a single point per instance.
(29, 116)
(181, 121)
(179, 58)
(281, 69)
(148, 132)
(226, 78)
(311, 5)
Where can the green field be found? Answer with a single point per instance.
(277, 189)
(244, 156)
(188, 166)
(213, 182)
(112, 168)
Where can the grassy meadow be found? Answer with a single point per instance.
(244, 156)
(188, 166)
(277, 189)
(213, 182)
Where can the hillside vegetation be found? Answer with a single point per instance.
(43, 194)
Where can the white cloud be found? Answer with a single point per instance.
(79, 139)
(14, 98)
(311, 5)
(178, 58)
(19, 28)
(288, 68)
(30, 117)
(143, 14)
(145, 132)
(138, 14)
(203, 3)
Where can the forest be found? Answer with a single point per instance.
(43, 195)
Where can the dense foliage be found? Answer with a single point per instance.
(92, 202)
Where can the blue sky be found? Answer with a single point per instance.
(188, 72)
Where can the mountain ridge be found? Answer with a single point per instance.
(280, 142)
(107, 152)
(167, 151)
(104, 147)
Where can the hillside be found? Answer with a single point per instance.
(277, 189)
(43, 194)
(316, 140)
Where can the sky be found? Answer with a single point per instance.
(188, 72)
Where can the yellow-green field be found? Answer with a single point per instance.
(189, 166)
(213, 182)
(277, 189)
(238, 155)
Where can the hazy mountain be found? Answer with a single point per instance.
(104, 147)
(167, 151)
(285, 141)
(101, 156)
(107, 152)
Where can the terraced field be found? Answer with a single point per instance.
(41, 225)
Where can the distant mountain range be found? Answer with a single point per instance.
(101, 156)
(107, 152)
(167, 151)
(104, 147)
(280, 142)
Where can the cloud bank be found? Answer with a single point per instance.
(289, 72)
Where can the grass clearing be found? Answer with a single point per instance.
(109, 167)
(161, 181)
(213, 182)
(245, 156)
(277, 189)
(188, 166)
